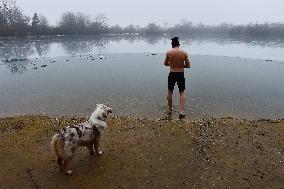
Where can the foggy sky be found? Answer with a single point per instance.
(141, 12)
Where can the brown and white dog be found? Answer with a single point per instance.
(65, 143)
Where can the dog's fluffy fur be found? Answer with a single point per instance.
(65, 143)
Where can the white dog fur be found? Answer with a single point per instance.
(65, 143)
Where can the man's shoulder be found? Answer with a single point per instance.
(169, 51)
(176, 51)
(184, 52)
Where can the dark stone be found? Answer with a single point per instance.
(92, 153)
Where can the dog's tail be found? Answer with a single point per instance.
(57, 146)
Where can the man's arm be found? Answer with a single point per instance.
(167, 59)
(187, 63)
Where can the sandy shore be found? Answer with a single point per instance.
(144, 153)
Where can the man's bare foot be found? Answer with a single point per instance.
(168, 115)
(69, 172)
(170, 112)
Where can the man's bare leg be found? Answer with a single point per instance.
(170, 101)
(181, 104)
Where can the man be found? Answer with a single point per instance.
(177, 60)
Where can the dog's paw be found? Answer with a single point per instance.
(100, 152)
(69, 172)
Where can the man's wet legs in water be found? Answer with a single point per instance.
(181, 103)
(176, 77)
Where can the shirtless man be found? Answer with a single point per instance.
(177, 60)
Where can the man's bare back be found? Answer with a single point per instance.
(177, 59)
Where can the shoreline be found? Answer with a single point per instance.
(114, 116)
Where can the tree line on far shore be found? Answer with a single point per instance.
(14, 23)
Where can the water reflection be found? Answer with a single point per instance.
(152, 40)
(73, 48)
(16, 49)
(17, 67)
(42, 48)
(31, 47)
(101, 46)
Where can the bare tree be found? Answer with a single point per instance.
(153, 29)
(12, 19)
(35, 24)
(116, 29)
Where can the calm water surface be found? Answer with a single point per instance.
(133, 81)
(35, 47)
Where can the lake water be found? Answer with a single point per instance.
(57, 76)
(34, 47)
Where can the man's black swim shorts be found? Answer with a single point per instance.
(176, 77)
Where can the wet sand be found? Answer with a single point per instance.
(147, 153)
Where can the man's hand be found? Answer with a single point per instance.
(187, 63)
(167, 59)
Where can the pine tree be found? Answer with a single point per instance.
(35, 22)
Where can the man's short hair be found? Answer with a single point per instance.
(175, 41)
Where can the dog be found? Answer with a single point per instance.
(65, 143)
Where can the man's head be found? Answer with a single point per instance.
(175, 42)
